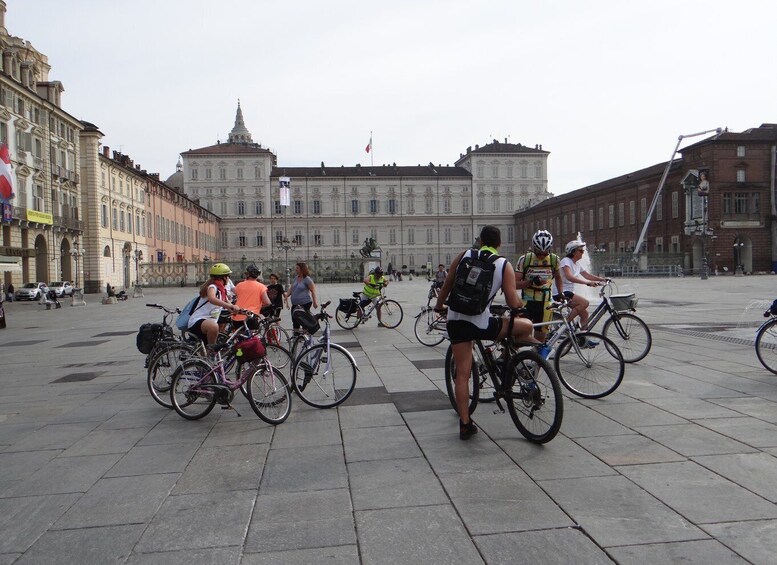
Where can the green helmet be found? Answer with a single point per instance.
(219, 269)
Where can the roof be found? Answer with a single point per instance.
(764, 132)
(229, 149)
(497, 147)
(431, 171)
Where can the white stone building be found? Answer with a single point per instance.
(419, 215)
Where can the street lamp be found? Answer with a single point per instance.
(286, 245)
(243, 260)
(138, 255)
(315, 263)
(77, 253)
(738, 269)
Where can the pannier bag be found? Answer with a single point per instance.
(305, 319)
(348, 305)
(250, 349)
(148, 335)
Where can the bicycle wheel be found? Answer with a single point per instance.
(276, 335)
(478, 378)
(428, 328)
(766, 345)
(630, 334)
(588, 370)
(269, 394)
(188, 396)
(161, 369)
(348, 321)
(533, 396)
(390, 314)
(280, 359)
(321, 381)
(296, 345)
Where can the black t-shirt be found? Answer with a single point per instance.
(275, 293)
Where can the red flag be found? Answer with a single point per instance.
(6, 179)
(369, 146)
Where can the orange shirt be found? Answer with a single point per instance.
(249, 297)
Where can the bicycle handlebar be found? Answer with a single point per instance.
(167, 310)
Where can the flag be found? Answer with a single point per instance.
(369, 146)
(6, 179)
(285, 183)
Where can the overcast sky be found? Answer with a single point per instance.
(607, 87)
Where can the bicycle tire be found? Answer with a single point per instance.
(188, 400)
(591, 372)
(318, 388)
(450, 382)
(390, 314)
(349, 321)
(296, 345)
(425, 330)
(269, 394)
(630, 334)
(533, 396)
(161, 368)
(276, 335)
(280, 359)
(766, 345)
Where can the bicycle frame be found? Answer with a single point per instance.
(325, 339)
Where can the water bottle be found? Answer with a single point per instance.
(544, 351)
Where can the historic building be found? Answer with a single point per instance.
(730, 220)
(419, 215)
(137, 227)
(41, 222)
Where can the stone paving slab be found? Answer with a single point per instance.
(678, 465)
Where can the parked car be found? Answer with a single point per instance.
(62, 288)
(32, 291)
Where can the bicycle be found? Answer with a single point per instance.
(198, 384)
(430, 327)
(522, 378)
(766, 340)
(324, 373)
(588, 364)
(350, 313)
(626, 330)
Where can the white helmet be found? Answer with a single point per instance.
(542, 240)
(574, 244)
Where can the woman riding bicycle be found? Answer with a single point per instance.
(203, 322)
(373, 283)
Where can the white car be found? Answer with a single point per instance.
(32, 291)
(62, 288)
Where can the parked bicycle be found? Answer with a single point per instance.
(198, 384)
(626, 330)
(430, 327)
(521, 378)
(324, 373)
(766, 340)
(350, 313)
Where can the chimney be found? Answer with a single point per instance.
(106, 152)
(505, 140)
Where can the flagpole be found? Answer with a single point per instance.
(372, 151)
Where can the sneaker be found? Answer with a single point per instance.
(467, 430)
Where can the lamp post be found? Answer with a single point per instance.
(738, 270)
(243, 260)
(138, 254)
(77, 253)
(315, 263)
(286, 245)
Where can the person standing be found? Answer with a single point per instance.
(302, 291)
(439, 276)
(464, 329)
(536, 272)
(251, 295)
(275, 293)
(203, 322)
(11, 296)
(2, 313)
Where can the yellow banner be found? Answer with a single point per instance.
(39, 217)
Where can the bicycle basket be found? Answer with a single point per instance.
(250, 349)
(148, 335)
(305, 319)
(348, 305)
(624, 302)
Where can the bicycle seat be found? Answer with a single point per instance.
(357, 294)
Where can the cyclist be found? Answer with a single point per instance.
(464, 329)
(373, 283)
(572, 272)
(251, 295)
(439, 276)
(203, 322)
(536, 272)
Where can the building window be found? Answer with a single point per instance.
(510, 234)
(740, 150)
(208, 173)
(411, 236)
(621, 214)
(465, 206)
(223, 208)
(675, 204)
(632, 212)
(495, 171)
(659, 245)
(354, 207)
(659, 209)
(740, 203)
(224, 238)
(392, 206)
(481, 203)
(258, 207)
(241, 208)
(429, 235)
(428, 205)
(675, 244)
(611, 215)
(241, 239)
(298, 207)
(222, 173)
(259, 241)
(465, 235)
(410, 205)
(317, 207)
(601, 217)
(104, 215)
(278, 208)
(740, 175)
(373, 207)
(336, 238)
(240, 173)
(642, 210)
(115, 224)
(317, 239)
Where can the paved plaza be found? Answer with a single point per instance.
(678, 465)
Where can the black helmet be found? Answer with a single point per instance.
(378, 272)
(252, 271)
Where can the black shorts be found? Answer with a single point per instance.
(196, 329)
(460, 331)
(535, 310)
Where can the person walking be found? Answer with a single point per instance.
(2, 313)
(275, 293)
(302, 291)
(463, 329)
(203, 321)
(11, 296)
(251, 295)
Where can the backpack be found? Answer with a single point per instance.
(471, 290)
(182, 321)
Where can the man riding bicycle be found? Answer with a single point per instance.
(537, 270)
(373, 283)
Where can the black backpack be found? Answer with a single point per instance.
(471, 290)
(148, 335)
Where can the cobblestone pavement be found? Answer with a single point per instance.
(677, 465)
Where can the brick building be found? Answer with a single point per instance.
(740, 170)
